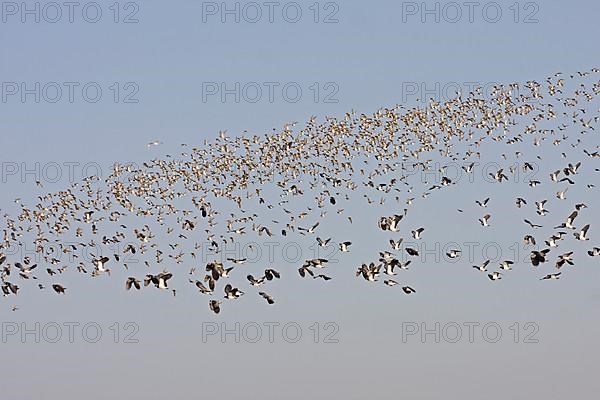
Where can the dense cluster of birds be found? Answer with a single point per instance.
(218, 192)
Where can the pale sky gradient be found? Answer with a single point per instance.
(369, 56)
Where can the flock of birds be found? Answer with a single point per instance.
(306, 175)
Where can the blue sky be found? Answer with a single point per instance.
(161, 78)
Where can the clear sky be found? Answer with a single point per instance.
(79, 95)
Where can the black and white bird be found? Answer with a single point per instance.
(99, 264)
(540, 207)
(412, 252)
(396, 245)
(484, 220)
(404, 265)
(215, 306)
(551, 276)
(323, 242)
(231, 292)
(316, 262)
(529, 240)
(562, 195)
(531, 224)
(495, 276)
(8, 288)
(552, 241)
(408, 290)
(582, 235)
(390, 223)
(345, 247)
(482, 203)
(390, 265)
(203, 289)
(267, 297)
(217, 270)
(394, 221)
(538, 257)
(59, 288)
(482, 267)
(506, 265)
(237, 260)
(369, 272)
(153, 143)
(131, 281)
(303, 270)
(416, 234)
(499, 175)
(564, 258)
(160, 280)
(572, 169)
(453, 253)
(271, 274)
(569, 222)
(211, 282)
(308, 230)
(25, 270)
